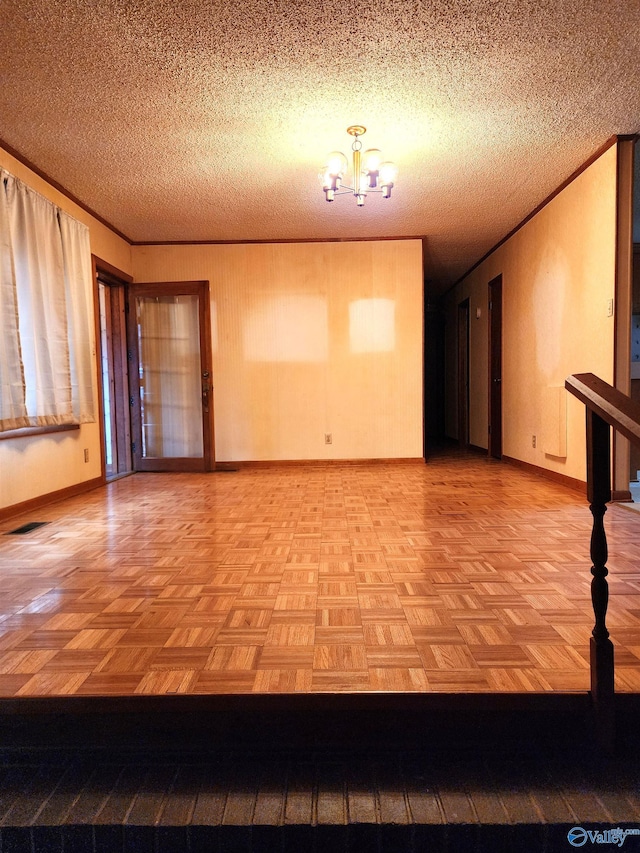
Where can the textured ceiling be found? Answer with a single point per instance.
(198, 120)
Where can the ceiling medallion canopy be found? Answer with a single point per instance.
(369, 174)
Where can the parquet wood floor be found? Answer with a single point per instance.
(460, 575)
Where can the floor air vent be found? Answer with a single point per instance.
(26, 528)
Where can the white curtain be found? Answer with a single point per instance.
(45, 370)
(13, 409)
(76, 253)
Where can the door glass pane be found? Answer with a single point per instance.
(170, 390)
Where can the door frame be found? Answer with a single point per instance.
(197, 464)
(623, 306)
(117, 281)
(495, 367)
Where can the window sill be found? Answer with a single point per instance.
(45, 430)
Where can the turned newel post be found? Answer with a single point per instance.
(607, 407)
(601, 647)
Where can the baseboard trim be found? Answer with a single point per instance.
(320, 463)
(50, 498)
(562, 479)
(621, 495)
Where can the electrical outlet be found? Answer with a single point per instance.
(610, 308)
(328, 438)
(86, 454)
(533, 441)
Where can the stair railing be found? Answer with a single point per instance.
(606, 407)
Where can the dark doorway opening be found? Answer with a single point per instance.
(495, 367)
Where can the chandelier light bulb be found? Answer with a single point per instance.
(388, 172)
(388, 175)
(371, 160)
(360, 191)
(332, 174)
(337, 164)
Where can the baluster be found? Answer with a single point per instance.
(601, 647)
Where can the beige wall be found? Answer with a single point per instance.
(558, 273)
(38, 465)
(308, 339)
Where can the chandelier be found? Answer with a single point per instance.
(369, 173)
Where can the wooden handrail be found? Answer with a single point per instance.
(606, 407)
(614, 407)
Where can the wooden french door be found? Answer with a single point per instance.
(170, 376)
(114, 369)
(495, 367)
